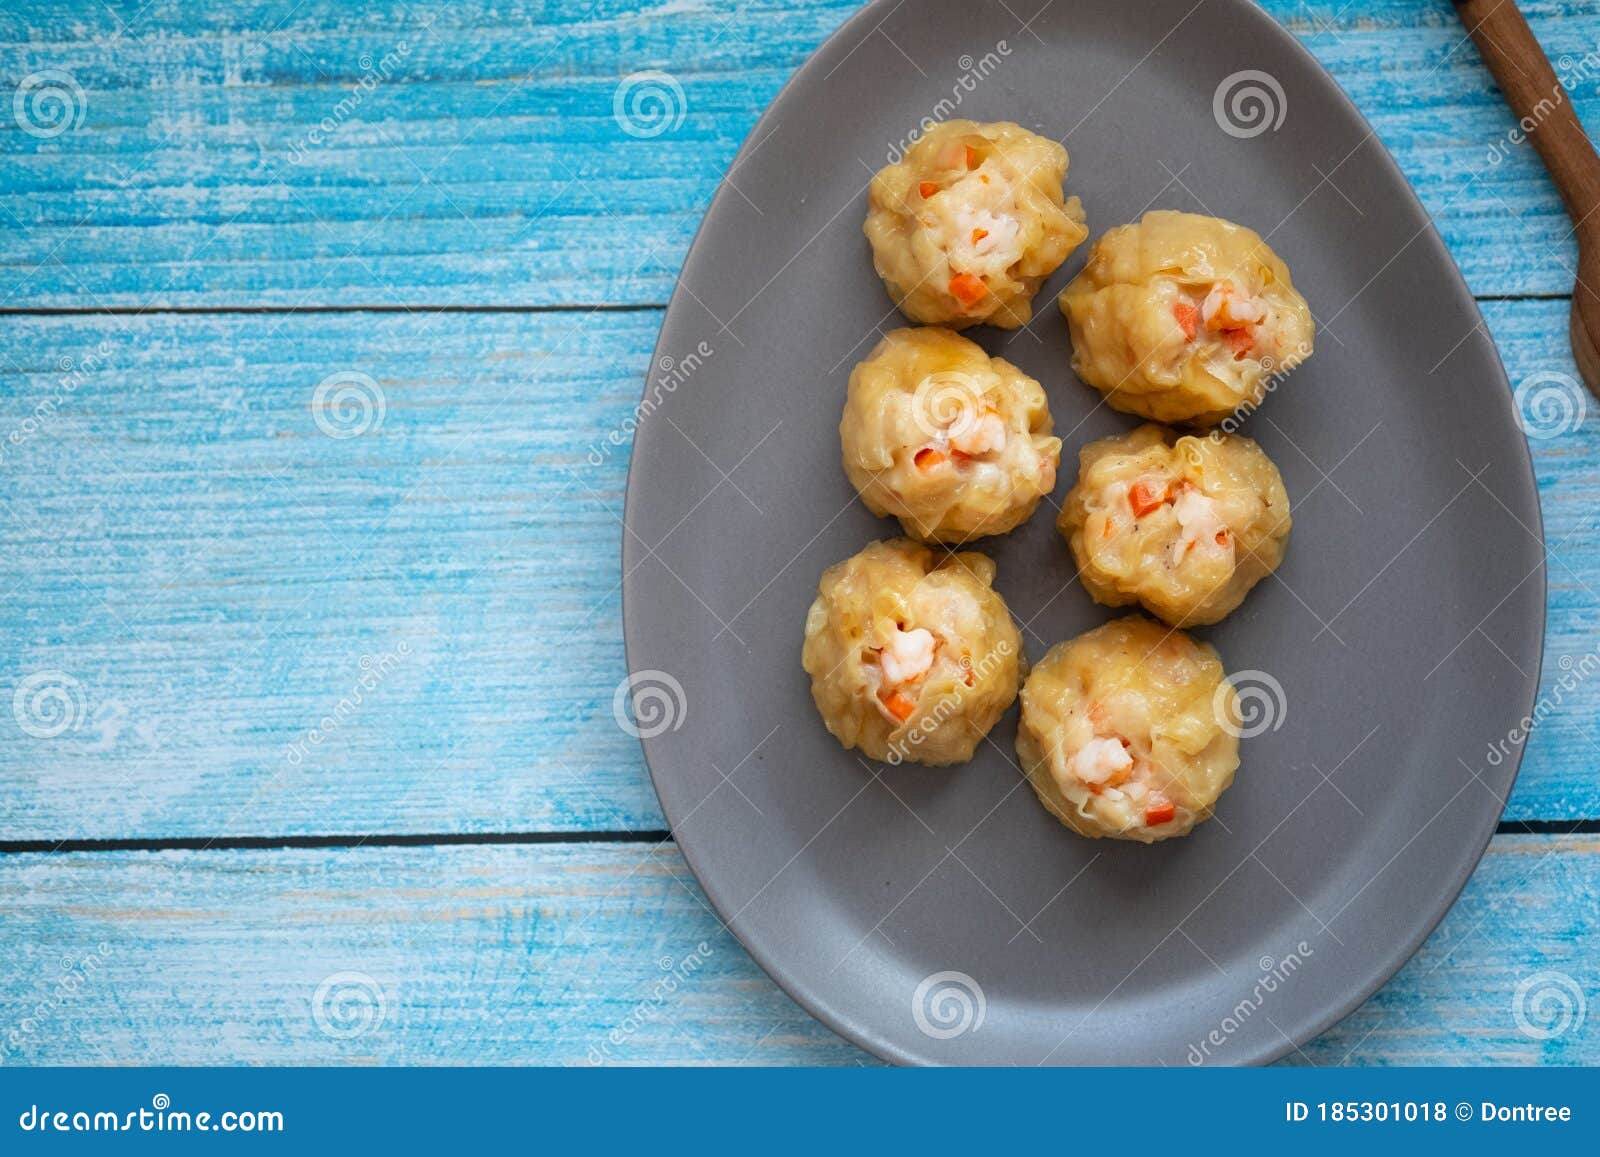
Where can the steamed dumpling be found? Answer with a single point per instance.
(913, 655)
(1125, 732)
(968, 225)
(953, 443)
(1184, 318)
(1184, 526)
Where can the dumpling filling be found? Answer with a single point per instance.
(968, 225)
(1234, 319)
(1106, 767)
(1185, 526)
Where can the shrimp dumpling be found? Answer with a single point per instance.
(1184, 526)
(953, 443)
(1125, 731)
(1185, 318)
(913, 655)
(966, 227)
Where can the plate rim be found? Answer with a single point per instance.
(1385, 969)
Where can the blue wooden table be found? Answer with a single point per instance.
(309, 590)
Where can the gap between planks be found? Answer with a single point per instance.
(445, 839)
(565, 307)
(203, 310)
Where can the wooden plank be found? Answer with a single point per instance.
(210, 569)
(488, 166)
(218, 576)
(568, 954)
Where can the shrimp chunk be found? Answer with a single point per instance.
(978, 434)
(1099, 761)
(1226, 308)
(1200, 522)
(984, 242)
(907, 656)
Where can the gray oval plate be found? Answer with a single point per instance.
(941, 916)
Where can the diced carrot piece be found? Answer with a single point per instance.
(1240, 341)
(1222, 538)
(1143, 499)
(968, 288)
(927, 189)
(899, 706)
(1159, 810)
(978, 235)
(927, 458)
(1188, 317)
(972, 157)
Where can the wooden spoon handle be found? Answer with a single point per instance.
(1541, 103)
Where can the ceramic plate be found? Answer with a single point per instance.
(941, 916)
